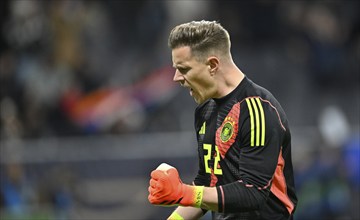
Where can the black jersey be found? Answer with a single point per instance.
(245, 151)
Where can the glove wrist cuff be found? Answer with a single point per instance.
(175, 216)
(192, 196)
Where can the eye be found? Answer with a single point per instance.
(183, 70)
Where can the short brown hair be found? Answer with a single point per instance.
(203, 37)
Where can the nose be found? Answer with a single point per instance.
(178, 77)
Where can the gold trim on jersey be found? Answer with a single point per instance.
(257, 122)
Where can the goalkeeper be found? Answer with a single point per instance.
(244, 144)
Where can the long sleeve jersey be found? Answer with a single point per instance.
(244, 148)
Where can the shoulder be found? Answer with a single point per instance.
(258, 103)
(254, 92)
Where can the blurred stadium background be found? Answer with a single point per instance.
(88, 107)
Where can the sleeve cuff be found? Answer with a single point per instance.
(221, 198)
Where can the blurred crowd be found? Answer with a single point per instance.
(61, 58)
(87, 67)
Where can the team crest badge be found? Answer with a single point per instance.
(226, 134)
(227, 129)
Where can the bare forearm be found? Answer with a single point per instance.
(210, 199)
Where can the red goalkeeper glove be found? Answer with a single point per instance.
(166, 188)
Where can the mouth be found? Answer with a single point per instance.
(191, 91)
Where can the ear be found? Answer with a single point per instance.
(213, 64)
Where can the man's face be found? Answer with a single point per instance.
(192, 74)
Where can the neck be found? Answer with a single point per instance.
(229, 78)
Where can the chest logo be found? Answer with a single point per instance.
(226, 134)
(227, 130)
